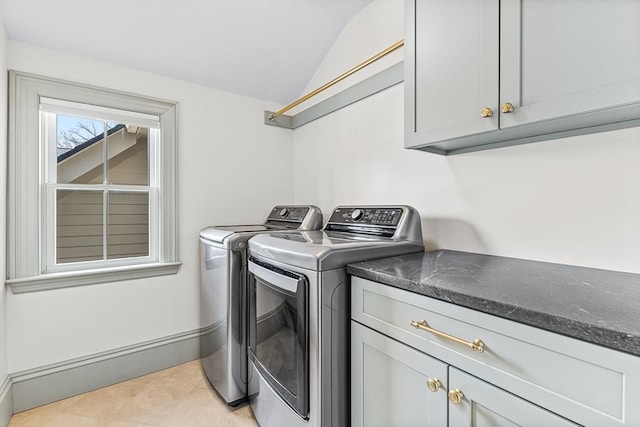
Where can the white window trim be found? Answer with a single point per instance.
(49, 170)
(25, 192)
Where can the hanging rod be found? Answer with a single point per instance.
(339, 78)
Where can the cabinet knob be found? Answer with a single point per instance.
(455, 396)
(434, 384)
(486, 112)
(507, 107)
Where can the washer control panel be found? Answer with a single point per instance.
(288, 213)
(373, 216)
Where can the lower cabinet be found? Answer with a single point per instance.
(389, 383)
(396, 385)
(420, 361)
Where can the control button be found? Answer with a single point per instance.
(356, 214)
(284, 212)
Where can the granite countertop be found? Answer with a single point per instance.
(597, 306)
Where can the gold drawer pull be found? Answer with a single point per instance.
(486, 112)
(507, 107)
(434, 384)
(476, 345)
(455, 396)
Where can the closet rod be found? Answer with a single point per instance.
(339, 78)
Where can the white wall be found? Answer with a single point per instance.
(570, 201)
(573, 201)
(232, 169)
(3, 200)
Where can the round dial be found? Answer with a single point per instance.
(356, 214)
(284, 212)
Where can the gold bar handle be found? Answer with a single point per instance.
(476, 345)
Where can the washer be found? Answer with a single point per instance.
(299, 312)
(223, 278)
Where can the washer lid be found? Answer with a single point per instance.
(220, 234)
(216, 235)
(281, 218)
(321, 251)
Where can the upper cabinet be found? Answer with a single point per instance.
(482, 74)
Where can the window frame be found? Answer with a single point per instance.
(49, 111)
(26, 191)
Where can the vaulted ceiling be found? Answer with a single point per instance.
(267, 49)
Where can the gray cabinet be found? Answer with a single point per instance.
(396, 385)
(507, 372)
(487, 73)
(390, 383)
(454, 69)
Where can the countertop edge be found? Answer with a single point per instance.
(613, 339)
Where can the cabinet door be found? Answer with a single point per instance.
(451, 69)
(560, 58)
(389, 383)
(483, 405)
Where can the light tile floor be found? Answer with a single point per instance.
(176, 397)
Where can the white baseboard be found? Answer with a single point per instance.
(46, 384)
(6, 401)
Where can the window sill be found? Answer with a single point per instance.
(50, 281)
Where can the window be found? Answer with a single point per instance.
(91, 194)
(99, 186)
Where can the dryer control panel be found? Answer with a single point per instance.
(376, 216)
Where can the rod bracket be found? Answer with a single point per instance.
(282, 120)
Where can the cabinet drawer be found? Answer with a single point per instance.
(586, 383)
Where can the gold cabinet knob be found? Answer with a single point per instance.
(507, 107)
(486, 112)
(434, 384)
(455, 396)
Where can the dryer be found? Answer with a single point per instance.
(299, 311)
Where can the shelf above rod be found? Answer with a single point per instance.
(370, 86)
(338, 79)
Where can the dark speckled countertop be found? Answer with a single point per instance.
(597, 306)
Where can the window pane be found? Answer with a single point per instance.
(80, 156)
(128, 155)
(128, 225)
(79, 226)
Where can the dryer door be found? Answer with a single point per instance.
(279, 332)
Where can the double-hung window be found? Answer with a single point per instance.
(91, 185)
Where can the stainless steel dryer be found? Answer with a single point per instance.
(299, 311)
(223, 274)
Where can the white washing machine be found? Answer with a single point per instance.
(299, 311)
(223, 279)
